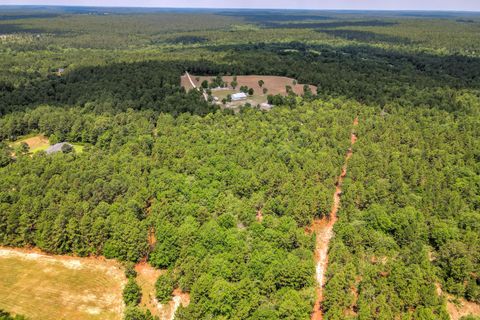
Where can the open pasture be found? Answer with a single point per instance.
(45, 287)
(274, 85)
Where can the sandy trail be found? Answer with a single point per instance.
(323, 229)
(194, 86)
(146, 278)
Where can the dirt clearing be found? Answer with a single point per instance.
(42, 286)
(462, 308)
(274, 84)
(146, 278)
(36, 143)
(458, 308)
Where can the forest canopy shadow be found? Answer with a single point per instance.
(366, 36)
(262, 16)
(365, 73)
(7, 28)
(153, 85)
(333, 24)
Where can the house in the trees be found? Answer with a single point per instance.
(59, 147)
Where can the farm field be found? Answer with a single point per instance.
(48, 287)
(274, 84)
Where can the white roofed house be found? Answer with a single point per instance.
(239, 96)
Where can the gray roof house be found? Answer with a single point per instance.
(56, 147)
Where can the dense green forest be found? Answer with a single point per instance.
(157, 158)
(409, 216)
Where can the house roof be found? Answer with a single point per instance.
(56, 147)
(240, 95)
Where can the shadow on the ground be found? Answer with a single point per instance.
(365, 36)
(152, 85)
(360, 71)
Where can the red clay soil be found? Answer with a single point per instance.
(259, 215)
(146, 278)
(323, 229)
(151, 238)
(274, 84)
(167, 311)
(35, 142)
(459, 308)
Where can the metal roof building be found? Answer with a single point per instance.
(239, 96)
(56, 147)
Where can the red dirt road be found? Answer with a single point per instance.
(323, 229)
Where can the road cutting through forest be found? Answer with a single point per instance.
(323, 229)
(205, 96)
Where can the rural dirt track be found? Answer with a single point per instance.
(323, 229)
(146, 278)
(194, 86)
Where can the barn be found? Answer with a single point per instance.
(239, 96)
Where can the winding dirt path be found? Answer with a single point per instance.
(323, 229)
(205, 96)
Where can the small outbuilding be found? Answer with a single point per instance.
(265, 106)
(59, 147)
(239, 96)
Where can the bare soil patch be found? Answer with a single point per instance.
(463, 308)
(36, 143)
(274, 84)
(146, 278)
(323, 229)
(42, 286)
(458, 308)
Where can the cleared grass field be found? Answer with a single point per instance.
(48, 287)
(39, 143)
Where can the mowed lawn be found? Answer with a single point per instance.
(57, 287)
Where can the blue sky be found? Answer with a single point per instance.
(459, 5)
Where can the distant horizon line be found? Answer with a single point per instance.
(234, 8)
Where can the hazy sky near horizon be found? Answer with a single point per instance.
(458, 5)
